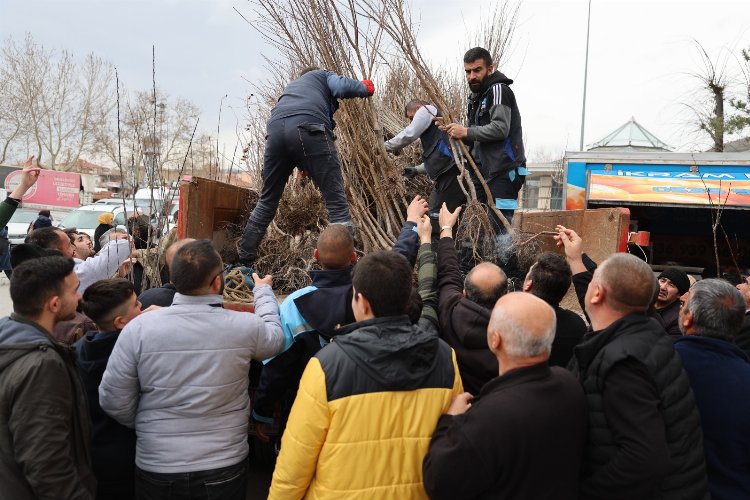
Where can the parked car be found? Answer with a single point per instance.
(86, 218)
(19, 224)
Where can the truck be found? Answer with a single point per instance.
(684, 208)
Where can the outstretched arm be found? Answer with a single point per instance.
(421, 122)
(427, 271)
(408, 241)
(342, 87)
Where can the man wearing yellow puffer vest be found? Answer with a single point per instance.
(369, 402)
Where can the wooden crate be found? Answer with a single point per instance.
(604, 230)
(206, 206)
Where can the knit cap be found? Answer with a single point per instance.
(678, 277)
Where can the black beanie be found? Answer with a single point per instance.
(678, 277)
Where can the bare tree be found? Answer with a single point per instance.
(708, 103)
(154, 138)
(59, 105)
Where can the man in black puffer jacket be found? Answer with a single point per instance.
(644, 438)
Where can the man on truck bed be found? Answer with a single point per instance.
(494, 134)
(300, 134)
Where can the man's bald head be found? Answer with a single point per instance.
(526, 325)
(485, 284)
(335, 247)
(174, 247)
(629, 283)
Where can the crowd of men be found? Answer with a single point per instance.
(455, 388)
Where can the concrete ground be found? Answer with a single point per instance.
(6, 306)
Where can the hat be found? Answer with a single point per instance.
(27, 251)
(678, 277)
(44, 213)
(105, 218)
(42, 221)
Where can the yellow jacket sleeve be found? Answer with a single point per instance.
(458, 386)
(304, 436)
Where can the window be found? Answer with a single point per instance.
(556, 195)
(531, 193)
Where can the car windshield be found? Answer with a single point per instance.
(82, 219)
(24, 216)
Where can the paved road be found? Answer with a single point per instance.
(6, 306)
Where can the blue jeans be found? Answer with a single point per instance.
(228, 483)
(297, 141)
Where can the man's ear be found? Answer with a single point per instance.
(364, 304)
(53, 304)
(316, 255)
(491, 69)
(494, 341)
(353, 258)
(598, 294)
(686, 319)
(119, 322)
(465, 294)
(528, 285)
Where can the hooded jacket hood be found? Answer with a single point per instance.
(494, 78)
(18, 337)
(391, 350)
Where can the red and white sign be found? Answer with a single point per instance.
(52, 189)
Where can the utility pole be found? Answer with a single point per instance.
(585, 77)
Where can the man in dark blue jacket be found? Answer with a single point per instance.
(719, 374)
(111, 304)
(300, 134)
(311, 316)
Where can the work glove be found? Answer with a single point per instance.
(370, 86)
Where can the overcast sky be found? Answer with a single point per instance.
(639, 64)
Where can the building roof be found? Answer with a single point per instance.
(737, 146)
(630, 137)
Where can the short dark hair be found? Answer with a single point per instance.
(71, 233)
(413, 104)
(34, 281)
(551, 277)
(478, 53)
(384, 278)
(718, 309)
(485, 297)
(194, 266)
(102, 299)
(45, 237)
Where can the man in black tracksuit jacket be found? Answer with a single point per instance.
(494, 132)
(644, 435)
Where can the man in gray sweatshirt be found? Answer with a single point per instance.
(300, 134)
(179, 376)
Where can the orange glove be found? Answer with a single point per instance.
(370, 86)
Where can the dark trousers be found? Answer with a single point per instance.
(280, 378)
(292, 142)
(504, 187)
(446, 189)
(228, 483)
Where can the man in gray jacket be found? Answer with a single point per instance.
(299, 134)
(179, 376)
(44, 424)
